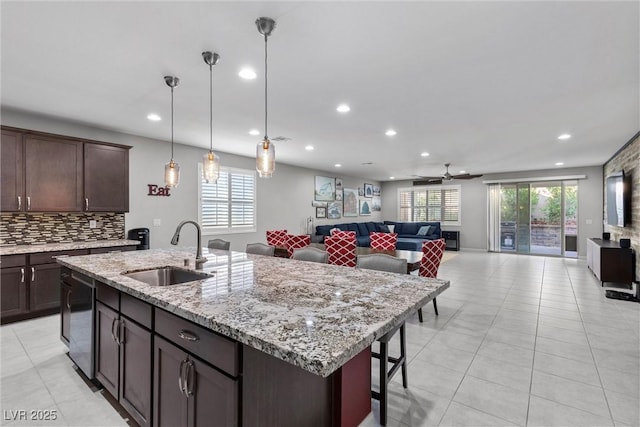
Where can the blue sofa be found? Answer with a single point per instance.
(408, 238)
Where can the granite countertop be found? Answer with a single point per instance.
(52, 247)
(314, 316)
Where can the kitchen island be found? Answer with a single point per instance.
(300, 332)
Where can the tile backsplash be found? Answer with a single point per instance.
(27, 228)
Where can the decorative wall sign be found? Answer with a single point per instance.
(325, 189)
(368, 190)
(338, 184)
(360, 191)
(376, 204)
(321, 212)
(350, 202)
(155, 190)
(339, 194)
(376, 190)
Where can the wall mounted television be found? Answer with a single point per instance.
(618, 193)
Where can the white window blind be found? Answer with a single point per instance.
(441, 203)
(229, 205)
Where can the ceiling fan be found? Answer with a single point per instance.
(427, 180)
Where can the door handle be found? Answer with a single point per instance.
(68, 299)
(28, 203)
(86, 204)
(113, 334)
(19, 203)
(33, 274)
(181, 379)
(22, 275)
(122, 332)
(191, 378)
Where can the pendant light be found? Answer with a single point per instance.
(265, 151)
(171, 169)
(210, 162)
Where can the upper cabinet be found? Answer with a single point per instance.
(106, 178)
(51, 173)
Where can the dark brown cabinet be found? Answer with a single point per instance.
(13, 294)
(106, 178)
(44, 287)
(43, 172)
(11, 172)
(189, 392)
(609, 262)
(53, 174)
(123, 352)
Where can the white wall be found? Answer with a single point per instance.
(283, 201)
(473, 231)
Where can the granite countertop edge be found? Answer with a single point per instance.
(63, 246)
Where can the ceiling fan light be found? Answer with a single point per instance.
(265, 158)
(171, 174)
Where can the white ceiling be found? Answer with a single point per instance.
(487, 86)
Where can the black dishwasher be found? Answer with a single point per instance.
(81, 304)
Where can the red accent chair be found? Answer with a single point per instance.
(383, 241)
(277, 237)
(296, 242)
(432, 252)
(341, 251)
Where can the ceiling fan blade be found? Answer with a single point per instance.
(466, 176)
(427, 178)
(428, 182)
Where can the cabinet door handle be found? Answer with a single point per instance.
(28, 203)
(122, 332)
(68, 299)
(191, 379)
(22, 275)
(113, 325)
(33, 274)
(86, 204)
(19, 203)
(188, 336)
(180, 377)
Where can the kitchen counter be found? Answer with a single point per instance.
(52, 247)
(314, 316)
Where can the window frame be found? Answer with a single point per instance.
(427, 206)
(229, 229)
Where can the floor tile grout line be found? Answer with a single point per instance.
(535, 343)
(595, 362)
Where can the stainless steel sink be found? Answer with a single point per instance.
(166, 276)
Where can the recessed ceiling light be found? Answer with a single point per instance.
(425, 154)
(390, 132)
(247, 74)
(338, 165)
(254, 132)
(392, 177)
(559, 163)
(564, 136)
(463, 171)
(154, 117)
(309, 148)
(343, 108)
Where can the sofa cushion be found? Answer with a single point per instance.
(383, 228)
(424, 230)
(362, 228)
(408, 228)
(323, 230)
(363, 241)
(371, 227)
(409, 244)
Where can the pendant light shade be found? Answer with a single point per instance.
(171, 169)
(210, 161)
(265, 151)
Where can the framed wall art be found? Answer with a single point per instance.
(339, 194)
(334, 210)
(360, 191)
(338, 184)
(365, 207)
(325, 189)
(350, 202)
(321, 212)
(376, 190)
(376, 204)
(368, 190)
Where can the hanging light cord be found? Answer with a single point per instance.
(265, 88)
(210, 108)
(172, 123)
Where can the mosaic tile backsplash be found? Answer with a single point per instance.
(27, 229)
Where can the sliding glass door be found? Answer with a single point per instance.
(535, 218)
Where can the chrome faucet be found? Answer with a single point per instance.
(176, 236)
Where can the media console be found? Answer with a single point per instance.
(611, 263)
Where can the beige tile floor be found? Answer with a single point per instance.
(520, 340)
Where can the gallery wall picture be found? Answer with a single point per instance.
(360, 191)
(339, 194)
(325, 189)
(334, 210)
(338, 184)
(368, 190)
(376, 204)
(350, 202)
(321, 212)
(376, 190)
(365, 207)
(317, 204)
